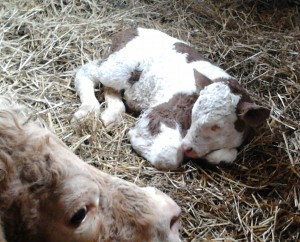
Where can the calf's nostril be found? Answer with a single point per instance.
(174, 220)
(186, 149)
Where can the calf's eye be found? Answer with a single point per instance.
(215, 127)
(78, 217)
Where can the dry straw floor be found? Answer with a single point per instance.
(258, 41)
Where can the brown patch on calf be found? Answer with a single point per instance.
(192, 54)
(252, 114)
(134, 77)
(237, 89)
(177, 110)
(239, 125)
(120, 39)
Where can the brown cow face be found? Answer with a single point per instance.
(51, 195)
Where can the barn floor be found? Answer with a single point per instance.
(258, 41)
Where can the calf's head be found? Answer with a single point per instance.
(221, 118)
(49, 194)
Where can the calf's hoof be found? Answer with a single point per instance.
(85, 109)
(110, 118)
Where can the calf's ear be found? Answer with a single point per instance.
(253, 115)
(201, 80)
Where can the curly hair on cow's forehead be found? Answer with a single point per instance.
(28, 177)
(23, 147)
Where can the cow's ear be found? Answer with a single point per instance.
(253, 115)
(201, 80)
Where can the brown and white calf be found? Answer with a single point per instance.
(48, 194)
(189, 106)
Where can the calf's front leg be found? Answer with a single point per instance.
(225, 155)
(115, 107)
(85, 82)
(161, 150)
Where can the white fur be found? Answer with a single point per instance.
(209, 70)
(164, 72)
(226, 155)
(215, 102)
(162, 150)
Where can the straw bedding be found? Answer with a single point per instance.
(258, 41)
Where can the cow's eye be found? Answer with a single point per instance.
(78, 217)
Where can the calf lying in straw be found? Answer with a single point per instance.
(49, 195)
(189, 106)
